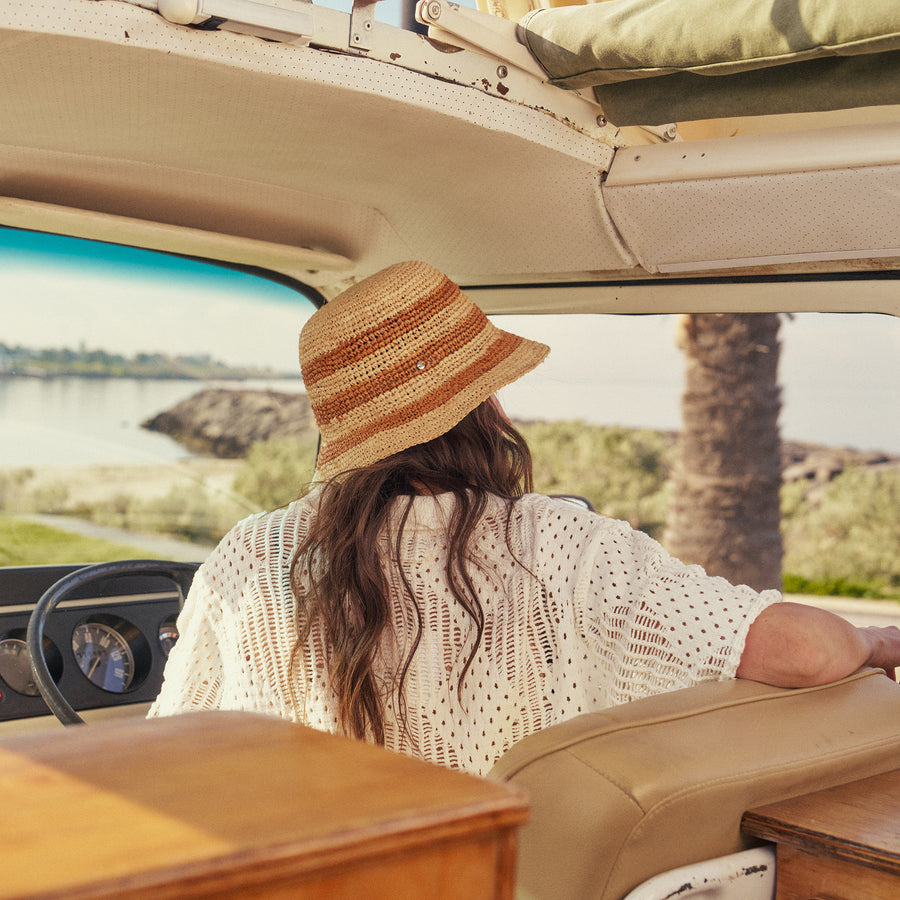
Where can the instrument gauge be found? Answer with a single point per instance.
(168, 634)
(15, 662)
(104, 654)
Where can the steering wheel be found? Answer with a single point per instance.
(182, 573)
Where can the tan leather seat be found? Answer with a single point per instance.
(622, 795)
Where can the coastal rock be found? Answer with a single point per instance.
(815, 463)
(226, 423)
(817, 466)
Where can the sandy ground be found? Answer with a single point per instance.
(104, 482)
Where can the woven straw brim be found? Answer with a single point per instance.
(421, 357)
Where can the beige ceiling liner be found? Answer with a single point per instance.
(106, 107)
(326, 166)
(760, 201)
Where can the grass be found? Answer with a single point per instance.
(24, 543)
(837, 587)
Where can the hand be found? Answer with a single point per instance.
(884, 648)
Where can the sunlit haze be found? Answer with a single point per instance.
(69, 306)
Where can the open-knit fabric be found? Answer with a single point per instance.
(599, 614)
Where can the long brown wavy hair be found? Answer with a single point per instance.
(337, 573)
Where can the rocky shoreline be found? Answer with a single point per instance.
(815, 462)
(225, 423)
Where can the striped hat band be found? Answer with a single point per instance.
(399, 359)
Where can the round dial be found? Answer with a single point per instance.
(15, 662)
(168, 635)
(104, 655)
(15, 666)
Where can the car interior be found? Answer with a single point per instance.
(309, 147)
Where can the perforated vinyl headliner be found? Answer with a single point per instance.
(117, 111)
(326, 166)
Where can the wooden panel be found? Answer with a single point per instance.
(465, 869)
(808, 876)
(857, 822)
(837, 844)
(228, 803)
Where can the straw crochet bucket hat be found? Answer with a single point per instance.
(399, 359)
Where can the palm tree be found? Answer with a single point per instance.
(725, 513)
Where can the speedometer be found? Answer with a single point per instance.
(104, 655)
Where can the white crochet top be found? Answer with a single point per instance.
(600, 614)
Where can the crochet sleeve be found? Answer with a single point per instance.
(194, 675)
(646, 621)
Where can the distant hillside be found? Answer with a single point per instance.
(51, 362)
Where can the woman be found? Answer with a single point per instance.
(420, 597)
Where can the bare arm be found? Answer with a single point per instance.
(792, 645)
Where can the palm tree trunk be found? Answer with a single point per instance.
(725, 511)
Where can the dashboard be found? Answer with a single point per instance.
(106, 645)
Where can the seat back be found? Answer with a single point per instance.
(622, 795)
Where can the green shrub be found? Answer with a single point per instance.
(49, 498)
(276, 471)
(840, 538)
(793, 498)
(18, 494)
(850, 534)
(622, 471)
(189, 513)
(12, 488)
(829, 587)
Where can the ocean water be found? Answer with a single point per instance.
(47, 421)
(839, 375)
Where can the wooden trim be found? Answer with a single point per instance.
(227, 804)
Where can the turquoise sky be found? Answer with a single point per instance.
(39, 250)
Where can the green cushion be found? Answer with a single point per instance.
(779, 56)
(603, 43)
(836, 82)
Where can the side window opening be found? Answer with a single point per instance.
(101, 341)
(603, 415)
